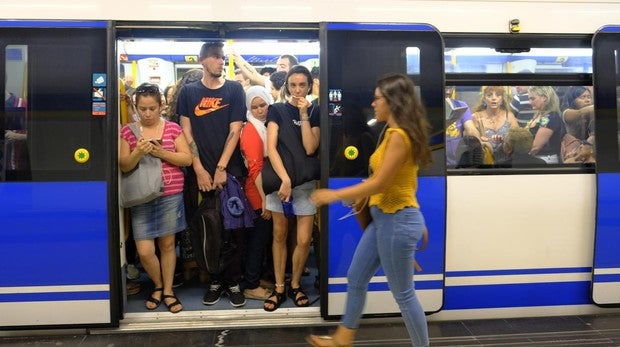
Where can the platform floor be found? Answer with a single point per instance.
(599, 330)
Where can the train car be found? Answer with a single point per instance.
(518, 241)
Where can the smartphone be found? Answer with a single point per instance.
(156, 141)
(287, 208)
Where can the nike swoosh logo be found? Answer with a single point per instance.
(201, 111)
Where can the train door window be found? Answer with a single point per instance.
(617, 74)
(519, 107)
(15, 162)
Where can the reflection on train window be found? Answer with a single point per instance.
(413, 60)
(14, 154)
(617, 55)
(519, 126)
(354, 129)
(537, 60)
(354, 134)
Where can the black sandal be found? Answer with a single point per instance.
(176, 302)
(153, 300)
(281, 297)
(293, 292)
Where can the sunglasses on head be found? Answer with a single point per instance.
(147, 88)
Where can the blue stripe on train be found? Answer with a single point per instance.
(345, 234)
(518, 272)
(607, 278)
(607, 237)
(517, 295)
(63, 296)
(53, 233)
(383, 286)
(51, 24)
(379, 26)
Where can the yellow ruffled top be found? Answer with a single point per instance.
(401, 192)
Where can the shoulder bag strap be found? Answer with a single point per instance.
(136, 131)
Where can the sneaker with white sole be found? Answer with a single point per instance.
(212, 296)
(235, 296)
(177, 280)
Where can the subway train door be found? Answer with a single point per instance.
(57, 145)
(606, 269)
(353, 57)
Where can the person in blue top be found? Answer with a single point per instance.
(458, 123)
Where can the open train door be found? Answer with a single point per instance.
(606, 68)
(57, 192)
(353, 57)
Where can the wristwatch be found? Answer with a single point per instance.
(221, 168)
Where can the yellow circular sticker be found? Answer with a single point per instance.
(81, 155)
(351, 152)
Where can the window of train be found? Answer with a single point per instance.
(14, 156)
(529, 109)
(617, 73)
(352, 123)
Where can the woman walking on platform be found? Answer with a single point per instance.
(397, 224)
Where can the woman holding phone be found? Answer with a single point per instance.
(163, 217)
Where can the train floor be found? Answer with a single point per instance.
(191, 292)
(597, 330)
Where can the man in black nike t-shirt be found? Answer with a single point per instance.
(212, 112)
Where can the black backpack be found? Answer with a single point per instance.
(212, 247)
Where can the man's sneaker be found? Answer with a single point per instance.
(235, 296)
(213, 294)
(177, 280)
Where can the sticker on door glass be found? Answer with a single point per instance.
(100, 80)
(99, 109)
(99, 94)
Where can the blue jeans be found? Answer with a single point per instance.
(389, 241)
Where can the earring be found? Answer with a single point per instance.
(484, 104)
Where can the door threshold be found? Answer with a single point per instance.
(216, 319)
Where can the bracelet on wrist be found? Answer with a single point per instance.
(305, 119)
(221, 168)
